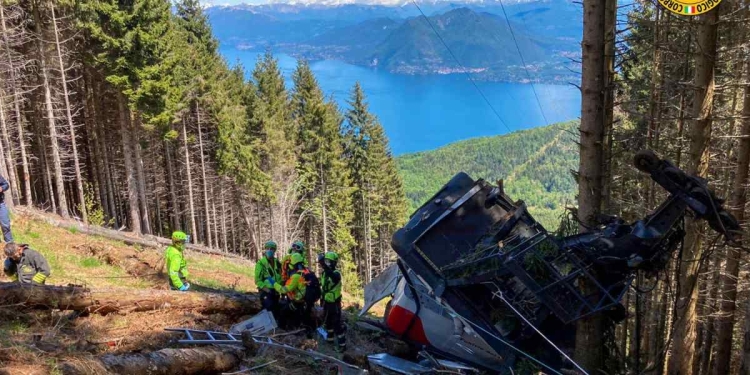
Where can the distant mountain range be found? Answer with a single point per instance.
(399, 39)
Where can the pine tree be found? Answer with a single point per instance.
(324, 174)
(374, 176)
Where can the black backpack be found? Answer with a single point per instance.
(312, 287)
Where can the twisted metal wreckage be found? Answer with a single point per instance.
(480, 282)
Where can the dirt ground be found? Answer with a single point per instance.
(39, 341)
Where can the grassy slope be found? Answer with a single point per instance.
(535, 165)
(37, 341)
(66, 251)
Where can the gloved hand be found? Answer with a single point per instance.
(184, 287)
(271, 281)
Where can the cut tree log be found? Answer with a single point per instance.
(105, 301)
(202, 360)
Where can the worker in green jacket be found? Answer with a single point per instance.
(25, 265)
(176, 264)
(295, 310)
(330, 283)
(298, 247)
(267, 274)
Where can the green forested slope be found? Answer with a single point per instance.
(535, 165)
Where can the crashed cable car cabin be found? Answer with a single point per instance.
(480, 281)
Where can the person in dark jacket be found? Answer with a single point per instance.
(25, 265)
(4, 213)
(331, 300)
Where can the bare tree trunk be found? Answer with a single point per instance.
(729, 284)
(209, 241)
(9, 160)
(700, 133)
(17, 108)
(610, 27)
(57, 163)
(135, 127)
(189, 183)
(223, 220)
(173, 206)
(3, 165)
(133, 216)
(590, 331)
(69, 117)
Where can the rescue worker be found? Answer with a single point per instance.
(287, 269)
(268, 273)
(25, 265)
(295, 310)
(331, 289)
(176, 264)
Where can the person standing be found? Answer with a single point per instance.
(268, 273)
(25, 265)
(176, 264)
(331, 289)
(4, 212)
(287, 269)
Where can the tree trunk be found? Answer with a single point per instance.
(62, 202)
(198, 360)
(173, 206)
(19, 117)
(135, 125)
(697, 164)
(729, 284)
(589, 331)
(610, 27)
(209, 240)
(3, 165)
(133, 216)
(69, 117)
(189, 183)
(105, 301)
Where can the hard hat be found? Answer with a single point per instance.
(298, 246)
(297, 258)
(179, 236)
(270, 245)
(332, 256)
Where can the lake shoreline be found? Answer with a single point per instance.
(478, 74)
(426, 112)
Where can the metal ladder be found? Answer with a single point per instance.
(198, 337)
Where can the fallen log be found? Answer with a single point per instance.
(105, 301)
(202, 360)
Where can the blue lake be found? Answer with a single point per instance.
(425, 112)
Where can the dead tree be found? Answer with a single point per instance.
(62, 202)
(12, 38)
(69, 114)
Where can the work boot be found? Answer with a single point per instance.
(341, 343)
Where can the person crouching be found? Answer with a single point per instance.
(25, 265)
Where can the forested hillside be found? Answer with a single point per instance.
(534, 164)
(126, 116)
